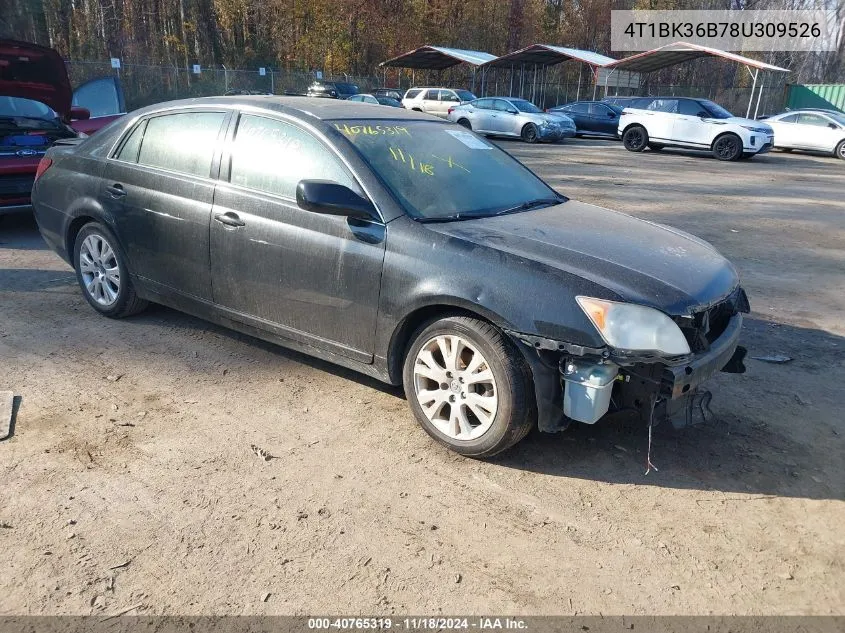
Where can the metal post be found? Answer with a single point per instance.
(510, 92)
(521, 79)
(595, 81)
(578, 88)
(759, 96)
(753, 86)
(533, 83)
(226, 79)
(272, 82)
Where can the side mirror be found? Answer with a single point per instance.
(78, 113)
(331, 198)
(702, 115)
(512, 111)
(833, 126)
(611, 115)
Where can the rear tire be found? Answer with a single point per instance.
(102, 273)
(530, 133)
(468, 386)
(465, 123)
(727, 147)
(840, 150)
(635, 138)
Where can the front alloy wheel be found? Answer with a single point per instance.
(840, 150)
(455, 387)
(530, 134)
(728, 147)
(468, 386)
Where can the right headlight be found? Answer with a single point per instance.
(632, 327)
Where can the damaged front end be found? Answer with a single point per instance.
(583, 384)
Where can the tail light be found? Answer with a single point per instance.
(43, 165)
(450, 110)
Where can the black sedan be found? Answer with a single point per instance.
(404, 247)
(592, 118)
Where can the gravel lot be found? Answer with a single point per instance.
(130, 481)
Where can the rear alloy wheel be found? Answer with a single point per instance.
(840, 150)
(727, 147)
(635, 138)
(530, 134)
(102, 273)
(468, 386)
(465, 123)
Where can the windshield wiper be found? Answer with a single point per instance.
(525, 206)
(531, 204)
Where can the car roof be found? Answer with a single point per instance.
(304, 107)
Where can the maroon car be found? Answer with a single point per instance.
(38, 108)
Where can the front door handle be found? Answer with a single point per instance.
(229, 219)
(116, 190)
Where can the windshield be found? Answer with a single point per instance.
(441, 171)
(717, 111)
(525, 106)
(465, 95)
(839, 118)
(28, 113)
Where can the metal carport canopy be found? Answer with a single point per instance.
(548, 55)
(680, 52)
(438, 58)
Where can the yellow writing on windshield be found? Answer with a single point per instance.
(453, 164)
(372, 130)
(414, 165)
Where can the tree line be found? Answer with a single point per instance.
(353, 36)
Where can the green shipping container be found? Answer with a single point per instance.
(828, 96)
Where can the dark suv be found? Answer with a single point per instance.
(332, 89)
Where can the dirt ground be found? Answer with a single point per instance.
(130, 479)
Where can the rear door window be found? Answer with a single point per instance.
(272, 156)
(483, 104)
(431, 95)
(792, 118)
(183, 142)
(412, 93)
(580, 108)
(129, 151)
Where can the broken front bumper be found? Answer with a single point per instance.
(577, 381)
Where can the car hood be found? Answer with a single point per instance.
(639, 261)
(35, 72)
(737, 120)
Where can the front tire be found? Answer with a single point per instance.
(840, 150)
(530, 133)
(635, 138)
(468, 386)
(727, 147)
(102, 273)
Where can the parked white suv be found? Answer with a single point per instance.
(435, 101)
(658, 122)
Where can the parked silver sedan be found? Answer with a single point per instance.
(813, 130)
(507, 116)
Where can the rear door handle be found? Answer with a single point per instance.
(229, 219)
(116, 190)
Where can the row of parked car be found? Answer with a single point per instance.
(640, 122)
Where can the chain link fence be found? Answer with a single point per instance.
(147, 84)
